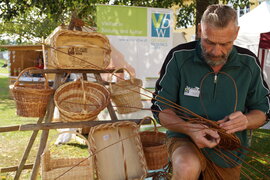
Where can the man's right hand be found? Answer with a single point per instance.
(202, 136)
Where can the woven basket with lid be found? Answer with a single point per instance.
(78, 50)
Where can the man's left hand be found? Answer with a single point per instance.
(235, 122)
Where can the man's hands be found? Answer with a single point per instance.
(235, 122)
(202, 136)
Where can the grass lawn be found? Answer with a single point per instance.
(13, 144)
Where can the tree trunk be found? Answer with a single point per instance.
(201, 6)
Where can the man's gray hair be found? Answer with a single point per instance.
(219, 15)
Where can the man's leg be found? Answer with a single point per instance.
(187, 160)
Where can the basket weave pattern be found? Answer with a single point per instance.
(66, 168)
(81, 100)
(79, 50)
(154, 147)
(117, 145)
(31, 99)
(126, 94)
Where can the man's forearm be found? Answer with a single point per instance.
(171, 121)
(256, 119)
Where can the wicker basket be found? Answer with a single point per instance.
(81, 100)
(117, 151)
(31, 97)
(126, 94)
(78, 50)
(154, 147)
(66, 168)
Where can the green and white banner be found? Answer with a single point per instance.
(142, 35)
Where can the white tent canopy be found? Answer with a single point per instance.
(252, 24)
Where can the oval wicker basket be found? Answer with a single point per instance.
(81, 100)
(126, 94)
(154, 147)
(31, 98)
(79, 50)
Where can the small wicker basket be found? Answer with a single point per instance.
(154, 147)
(66, 168)
(81, 100)
(126, 94)
(31, 97)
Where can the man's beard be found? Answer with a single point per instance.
(207, 56)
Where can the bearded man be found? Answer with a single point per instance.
(218, 81)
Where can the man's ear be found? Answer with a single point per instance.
(237, 30)
(199, 32)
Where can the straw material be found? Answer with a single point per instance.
(154, 147)
(81, 100)
(79, 50)
(117, 150)
(31, 98)
(66, 168)
(126, 94)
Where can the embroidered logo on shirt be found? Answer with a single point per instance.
(195, 92)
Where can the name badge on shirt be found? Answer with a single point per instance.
(194, 92)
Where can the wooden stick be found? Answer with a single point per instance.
(61, 125)
(15, 168)
(109, 107)
(27, 151)
(9, 128)
(45, 133)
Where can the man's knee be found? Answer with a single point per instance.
(186, 164)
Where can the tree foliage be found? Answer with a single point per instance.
(28, 19)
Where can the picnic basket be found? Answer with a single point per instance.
(31, 97)
(117, 151)
(154, 147)
(66, 168)
(126, 94)
(78, 50)
(81, 100)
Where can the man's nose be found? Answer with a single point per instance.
(217, 50)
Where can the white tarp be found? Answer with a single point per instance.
(252, 24)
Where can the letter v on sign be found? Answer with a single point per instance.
(157, 23)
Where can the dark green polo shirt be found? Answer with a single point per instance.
(186, 79)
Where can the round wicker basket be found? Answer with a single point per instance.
(81, 100)
(154, 147)
(31, 97)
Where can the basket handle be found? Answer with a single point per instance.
(116, 70)
(71, 132)
(84, 95)
(28, 69)
(152, 119)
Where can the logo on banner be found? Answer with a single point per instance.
(160, 25)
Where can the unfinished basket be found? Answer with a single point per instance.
(154, 147)
(126, 94)
(78, 50)
(81, 100)
(66, 168)
(31, 97)
(117, 151)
